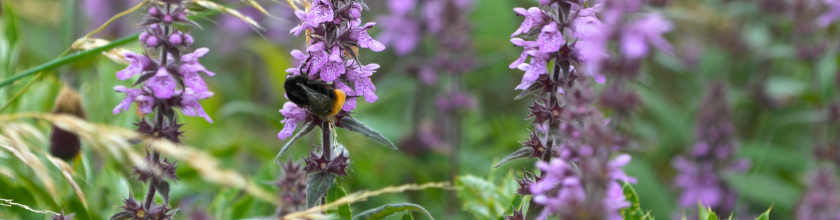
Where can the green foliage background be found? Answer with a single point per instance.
(248, 92)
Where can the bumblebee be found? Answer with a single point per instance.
(316, 96)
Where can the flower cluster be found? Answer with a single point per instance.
(292, 186)
(572, 139)
(821, 200)
(167, 82)
(563, 189)
(700, 171)
(439, 68)
(336, 31)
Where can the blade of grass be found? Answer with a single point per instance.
(56, 63)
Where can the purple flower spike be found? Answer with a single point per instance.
(162, 84)
(334, 66)
(401, 7)
(319, 13)
(533, 17)
(646, 30)
(190, 105)
(189, 62)
(130, 95)
(137, 64)
(365, 41)
(293, 114)
(550, 38)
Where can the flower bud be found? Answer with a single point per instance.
(153, 11)
(188, 40)
(175, 39)
(182, 16)
(167, 19)
(152, 41)
(355, 13)
(143, 36)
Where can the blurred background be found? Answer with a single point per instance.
(446, 97)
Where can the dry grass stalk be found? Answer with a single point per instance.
(115, 54)
(315, 212)
(106, 138)
(13, 141)
(10, 203)
(233, 12)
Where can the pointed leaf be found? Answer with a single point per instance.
(530, 90)
(387, 210)
(307, 127)
(336, 193)
(712, 216)
(163, 189)
(765, 215)
(122, 215)
(352, 124)
(407, 216)
(521, 153)
(317, 186)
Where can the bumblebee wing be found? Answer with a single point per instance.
(319, 103)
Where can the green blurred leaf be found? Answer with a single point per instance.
(317, 186)
(336, 193)
(765, 215)
(483, 198)
(782, 194)
(407, 216)
(390, 209)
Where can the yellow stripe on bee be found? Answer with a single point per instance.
(339, 102)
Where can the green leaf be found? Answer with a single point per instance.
(634, 212)
(353, 125)
(317, 186)
(712, 216)
(387, 210)
(336, 193)
(407, 216)
(765, 215)
(521, 153)
(307, 127)
(482, 198)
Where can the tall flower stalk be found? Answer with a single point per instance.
(565, 44)
(171, 80)
(335, 33)
(700, 172)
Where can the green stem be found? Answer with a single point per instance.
(61, 61)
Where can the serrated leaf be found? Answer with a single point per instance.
(307, 127)
(387, 210)
(631, 196)
(407, 216)
(521, 153)
(336, 193)
(354, 125)
(765, 215)
(481, 197)
(317, 186)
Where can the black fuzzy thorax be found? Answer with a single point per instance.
(315, 95)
